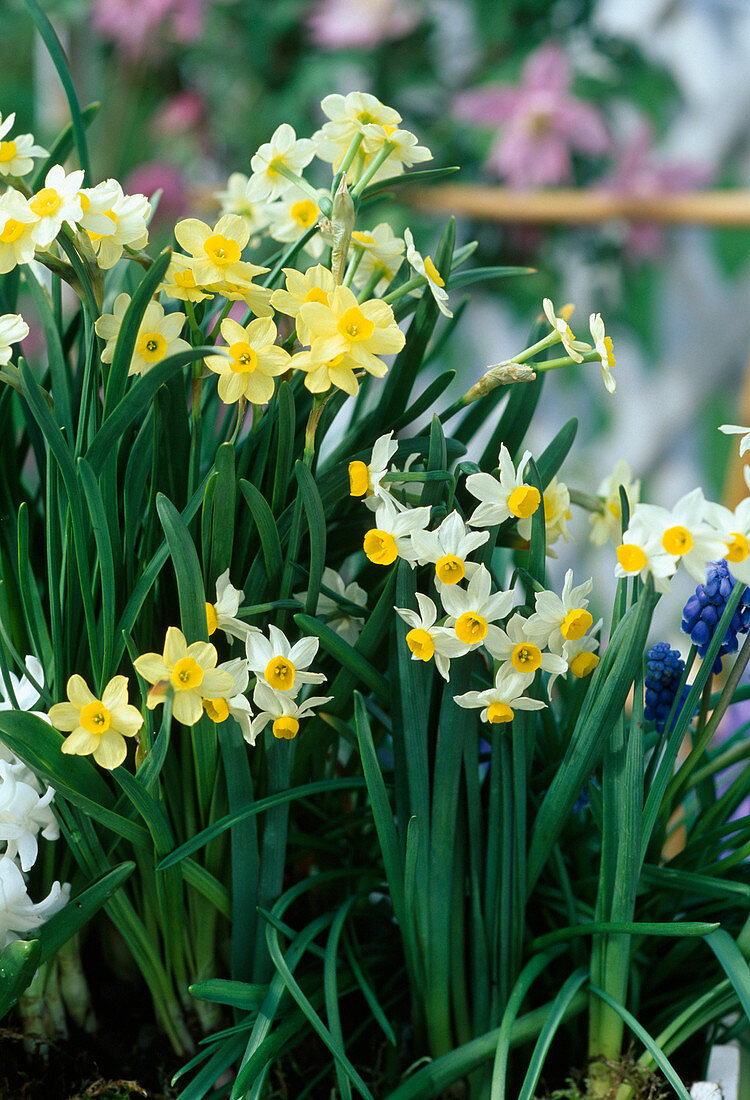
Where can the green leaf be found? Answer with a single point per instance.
(267, 530)
(484, 274)
(221, 991)
(62, 147)
(408, 179)
(100, 528)
(556, 1016)
(629, 928)
(187, 570)
(284, 447)
(18, 965)
(345, 655)
(58, 929)
(552, 458)
(222, 526)
(316, 524)
(734, 965)
(425, 400)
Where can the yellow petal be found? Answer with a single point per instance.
(64, 716)
(187, 707)
(175, 647)
(80, 742)
(111, 750)
(115, 693)
(126, 720)
(151, 667)
(79, 692)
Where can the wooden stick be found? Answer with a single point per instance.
(586, 207)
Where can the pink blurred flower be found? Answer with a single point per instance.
(160, 175)
(180, 114)
(637, 172)
(137, 26)
(541, 123)
(360, 24)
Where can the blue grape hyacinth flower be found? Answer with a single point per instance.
(663, 672)
(705, 607)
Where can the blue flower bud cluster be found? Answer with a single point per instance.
(704, 609)
(663, 673)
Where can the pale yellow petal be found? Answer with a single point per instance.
(187, 707)
(151, 667)
(80, 742)
(216, 683)
(191, 235)
(175, 646)
(204, 653)
(111, 750)
(64, 716)
(115, 693)
(79, 692)
(126, 720)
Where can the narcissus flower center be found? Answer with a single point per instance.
(280, 673)
(216, 709)
(739, 547)
(212, 620)
(354, 326)
(304, 213)
(185, 279)
(450, 569)
(12, 230)
(583, 664)
(610, 357)
(186, 674)
(380, 547)
(526, 657)
(317, 294)
(421, 644)
(46, 202)
(471, 627)
(95, 718)
(677, 540)
(524, 501)
(499, 712)
(7, 151)
(222, 250)
(244, 358)
(151, 346)
(432, 272)
(362, 238)
(359, 479)
(285, 727)
(576, 623)
(631, 558)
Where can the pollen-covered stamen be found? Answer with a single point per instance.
(244, 358)
(280, 673)
(450, 569)
(739, 547)
(151, 346)
(499, 712)
(576, 623)
(631, 558)
(222, 250)
(285, 727)
(471, 628)
(304, 213)
(526, 657)
(46, 202)
(186, 674)
(216, 709)
(354, 326)
(95, 718)
(524, 501)
(212, 619)
(432, 272)
(8, 150)
(11, 231)
(380, 547)
(359, 479)
(677, 540)
(583, 664)
(421, 644)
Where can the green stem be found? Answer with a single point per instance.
(380, 159)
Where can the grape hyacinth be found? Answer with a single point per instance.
(704, 609)
(664, 670)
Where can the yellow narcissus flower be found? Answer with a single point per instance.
(97, 726)
(17, 221)
(254, 360)
(179, 280)
(158, 335)
(294, 215)
(190, 670)
(361, 333)
(218, 266)
(314, 285)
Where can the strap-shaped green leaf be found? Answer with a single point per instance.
(62, 146)
(267, 530)
(284, 446)
(222, 524)
(316, 525)
(187, 570)
(18, 965)
(345, 655)
(72, 917)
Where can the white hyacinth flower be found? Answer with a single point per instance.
(24, 813)
(18, 913)
(425, 640)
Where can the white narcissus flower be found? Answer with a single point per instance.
(293, 215)
(603, 345)
(382, 254)
(405, 149)
(17, 221)
(581, 654)
(503, 498)
(733, 528)
(641, 554)
(16, 153)
(426, 268)
(448, 548)
(560, 325)
(425, 640)
(252, 360)
(607, 524)
(284, 151)
(18, 913)
(728, 429)
(23, 814)
(348, 117)
(281, 665)
(515, 649)
(339, 618)
(113, 227)
(234, 200)
(498, 703)
(564, 617)
(473, 610)
(391, 537)
(282, 710)
(234, 702)
(366, 478)
(158, 334)
(190, 670)
(13, 328)
(556, 504)
(97, 726)
(222, 615)
(683, 532)
(57, 202)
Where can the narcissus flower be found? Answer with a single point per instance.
(189, 670)
(217, 260)
(641, 554)
(499, 703)
(556, 504)
(222, 615)
(560, 325)
(382, 254)
(57, 202)
(404, 149)
(234, 200)
(285, 152)
(473, 610)
(514, 647)
(344, 327)
(683, 532)
(121, 221)
(17, 220)
(426, 268)
(158, 334)
(603, 345)
(426, 640)
(314, 285)
(233, 704)
(733, 527)
(728, 429)
(348, 116)
(563, 616)
(281, 665)
(510, 496)
(13, 328)
(338, 609)
(607, 524)
(391, 537)
(581, 654)
(24, 813)
(252, 362)
(448, 548)
(97, 726)
(294, 215)
(366, 478)
(16, 153)
(282, 711)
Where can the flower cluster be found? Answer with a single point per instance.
(705, 607)
(663, 672)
